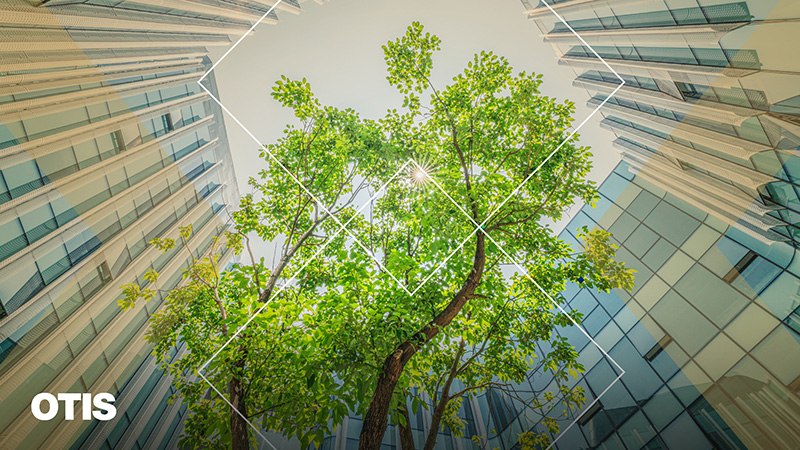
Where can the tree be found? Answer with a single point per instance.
(497, 346)
(413, 295)
(309, 184)
(491, 137)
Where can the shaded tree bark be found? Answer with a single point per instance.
(376, 419)
(406, 436)
(240, 436)
(438, 411)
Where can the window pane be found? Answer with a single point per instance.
(39, 222)
(58, 164)
(12, 238)
(22, 178)
(86, 153)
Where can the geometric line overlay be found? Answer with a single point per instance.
(478, 226)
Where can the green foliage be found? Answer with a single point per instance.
(313, 352)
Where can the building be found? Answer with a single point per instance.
(704, 205)
(106, 141)
(709, 110)
(709, 338)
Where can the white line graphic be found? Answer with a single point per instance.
(343, 226)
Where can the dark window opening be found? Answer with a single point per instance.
(658, 348)
(590, 413)
(740, 267)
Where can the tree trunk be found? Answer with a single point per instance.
(436, 422)
(438, 411)
(240, 436)
(376, 419)
(406, 436)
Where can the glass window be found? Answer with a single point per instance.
(11, 134)
(173, 92)
(135, 102)
(783, 295)
(127, 213)
(12, 238)
(686, 435)
(623, 227)
(22, 178)
(18, 283)
(611, 301)
(719, 356)
(721, 258)
(56, 122)
(98, 111)
(609, 335)
(91, 194)
(143, 203)
(676, 267)
(687, 384)
(117, 180)
(571, 439)
(767, 162)
(143, 166)
(637, 431)
(700, 241)
(713, 297)
(780, 352)
(4, 194)
(618, 403)
(117, 107)
(639, 377)
(107, 146)
(82, 245)
(613, 186)
(649, 294)
(589, 356)
(672, 223)
(87, 153)
(600, 376)
(756, 276)
(642, 205)
(686, 326)
(644, 336)
(58, 164)
(67, 297)
(38, 223)
(640, 241)
(709, 57)
(63, 211)
(666, 362)
(595, 321)
(661, 251)
(752, 325)
(752, 129)
(597, 428)
(53, 264)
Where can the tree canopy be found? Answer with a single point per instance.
(415, 256)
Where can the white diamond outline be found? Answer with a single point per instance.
(342, 228)
(479, 227)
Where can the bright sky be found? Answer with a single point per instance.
(337, 47)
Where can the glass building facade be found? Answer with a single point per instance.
(709, 338)
(709, 109)
(106, 142)
(704, 205)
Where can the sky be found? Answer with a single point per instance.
(337, 48)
